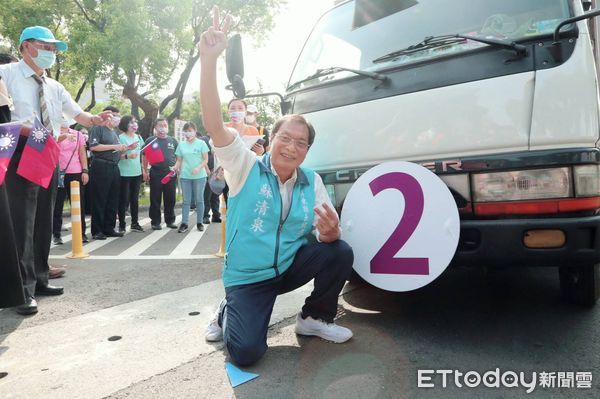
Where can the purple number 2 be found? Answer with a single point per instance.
(385, 262)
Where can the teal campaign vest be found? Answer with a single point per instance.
(260, 244)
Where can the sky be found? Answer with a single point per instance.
(272, 63)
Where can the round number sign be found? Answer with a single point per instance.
(402, 223)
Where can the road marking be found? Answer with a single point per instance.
(157, 335)
(68, 225)
(139, 257)
(187, 245)
(69, 237)
(145, 243)
(97, 244)
(183, 250)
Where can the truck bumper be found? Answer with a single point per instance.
(499, 243)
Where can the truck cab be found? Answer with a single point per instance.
(490, 96)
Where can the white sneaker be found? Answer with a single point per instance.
(214, 332)
(328, 331)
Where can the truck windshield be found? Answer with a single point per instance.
(355, 33)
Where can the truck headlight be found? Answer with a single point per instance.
(587, 180)
(522, 185)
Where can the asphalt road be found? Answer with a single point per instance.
(467, 320)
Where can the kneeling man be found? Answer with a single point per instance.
(274, 206)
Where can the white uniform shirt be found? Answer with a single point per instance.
(23, 90)
(237, 161)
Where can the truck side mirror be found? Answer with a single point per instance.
(234, 62)
(556, 49)
(285, 107)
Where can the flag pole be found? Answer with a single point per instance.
(150, 143)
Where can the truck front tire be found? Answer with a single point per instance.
(580, 284)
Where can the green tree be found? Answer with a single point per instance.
(269, 109)
(137, 46)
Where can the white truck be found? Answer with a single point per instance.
(498, 98)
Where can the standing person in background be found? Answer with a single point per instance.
(192, 160)
(32, 207)
(211, 200)
(252, 120)
(159, 191)
(105, 176)
(73, 165)
(237, 114)
(87, 197)
(130, 167)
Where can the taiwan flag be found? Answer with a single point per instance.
(153, 152)
(40, 156)
(9, 136)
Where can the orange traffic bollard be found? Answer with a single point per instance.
(76, 240)
(221, 252)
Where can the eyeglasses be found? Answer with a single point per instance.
(299, 144)
(44, 46)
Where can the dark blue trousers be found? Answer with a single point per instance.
(105, 183)
(246, 315)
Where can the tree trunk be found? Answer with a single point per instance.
(179, 90)
(80, 91)
(93, 101)
(138, 101)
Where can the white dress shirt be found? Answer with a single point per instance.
(23, 90)
(237, 161)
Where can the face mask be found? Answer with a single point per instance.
(250, 119)
(237, 116)
(189, 134)
(116, 120)
(162, 131)
(133, 127)
(45, 59)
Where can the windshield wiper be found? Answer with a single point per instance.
(331, 70)
(445, 40)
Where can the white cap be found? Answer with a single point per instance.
(252, 109)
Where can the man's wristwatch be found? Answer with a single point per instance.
(85, 171)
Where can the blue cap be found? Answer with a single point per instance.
(43, 35)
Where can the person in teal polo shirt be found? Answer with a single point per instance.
(275, 207)
(192, 160)
(131, 173)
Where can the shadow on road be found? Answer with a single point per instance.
(9, 322)
(466, 320)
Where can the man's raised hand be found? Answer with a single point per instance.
(327, 224)
(214, 40)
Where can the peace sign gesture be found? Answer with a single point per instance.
(327, 223)
(214, 40)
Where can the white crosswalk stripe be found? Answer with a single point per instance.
(69, 237)
(143, 248)
(187, 245)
